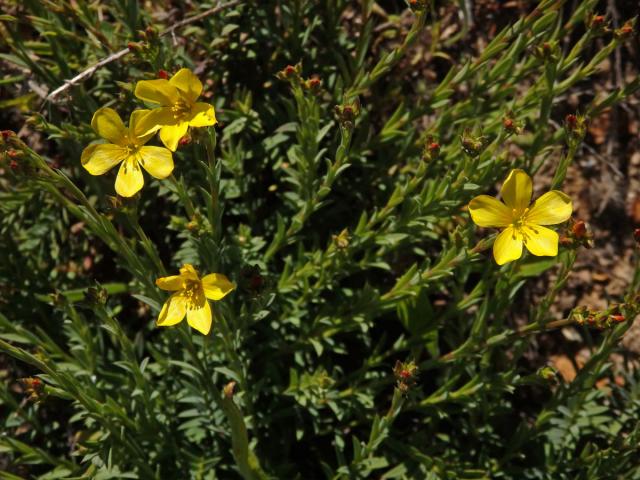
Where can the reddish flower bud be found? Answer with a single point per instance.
(13, 165)
(636, 234)
(13, 153)
(163, 74)
(579, 229)
(6, 134)
(289, 70)
(507, 123)
(618, 318)
(571, 120)
(186, 140)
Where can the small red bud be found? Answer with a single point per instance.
(597, 20)
(13, 165)
(579, 229)
(186, 140)
(289, 70)
(163, 74)
(13, 154)
(434, 146)
(131, 46)
(7, 133)
(571, 120)
(618, 318)
(405, 374)
(636, 234)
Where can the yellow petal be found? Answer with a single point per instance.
(202, 115)
(129, 180)
(188, 272)
(136, 133)
(551, 208)
(516, 190)
(487, 211)
(216, 286)
(173, 311)
(507, 246)
(541, 241)
(99, 159)
(157, 91)
(154, 120)
(200, 318)
(171, 135)
(188, 83)
(107, 123)
(171, 283)
(157, 161)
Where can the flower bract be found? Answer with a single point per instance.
(127, 148)
(178, 109)
(522, 223)
(190, 297)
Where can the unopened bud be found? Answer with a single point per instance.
(625, 31)
(228, 390)
(636, 235)
(186, 140)
(163, 74)
(6, 134)
(579, 229)
(618, 318)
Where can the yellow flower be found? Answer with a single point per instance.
(522, 224)
(127, 148)
(178, 107)
(190, 297)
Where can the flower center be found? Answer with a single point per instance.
(180, 109)
(193, 293)
(132, 149)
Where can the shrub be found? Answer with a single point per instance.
(369, 332)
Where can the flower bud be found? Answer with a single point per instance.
(163, 74)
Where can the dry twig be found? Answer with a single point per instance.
(117, 55)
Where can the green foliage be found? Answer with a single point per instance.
(333, 194)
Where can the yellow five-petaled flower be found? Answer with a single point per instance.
(178, 108)
(128, 148)
(523, 224)
(190, 297)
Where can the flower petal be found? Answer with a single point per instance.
(136, 133)
(541, 241)
(202, 115)
(187, 83)
(99, 159)
(157, 161)
(157, 91)
(171, 135)
(200, 318)
(516, 190)
(487, 211)
(216, 286)
(188, 272)
(551, 208)
(154, 120)
(171, 283)
(173, 311)
(107, 123)
(507, 246)
(129, 180)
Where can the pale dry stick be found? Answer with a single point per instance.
(116, 56)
